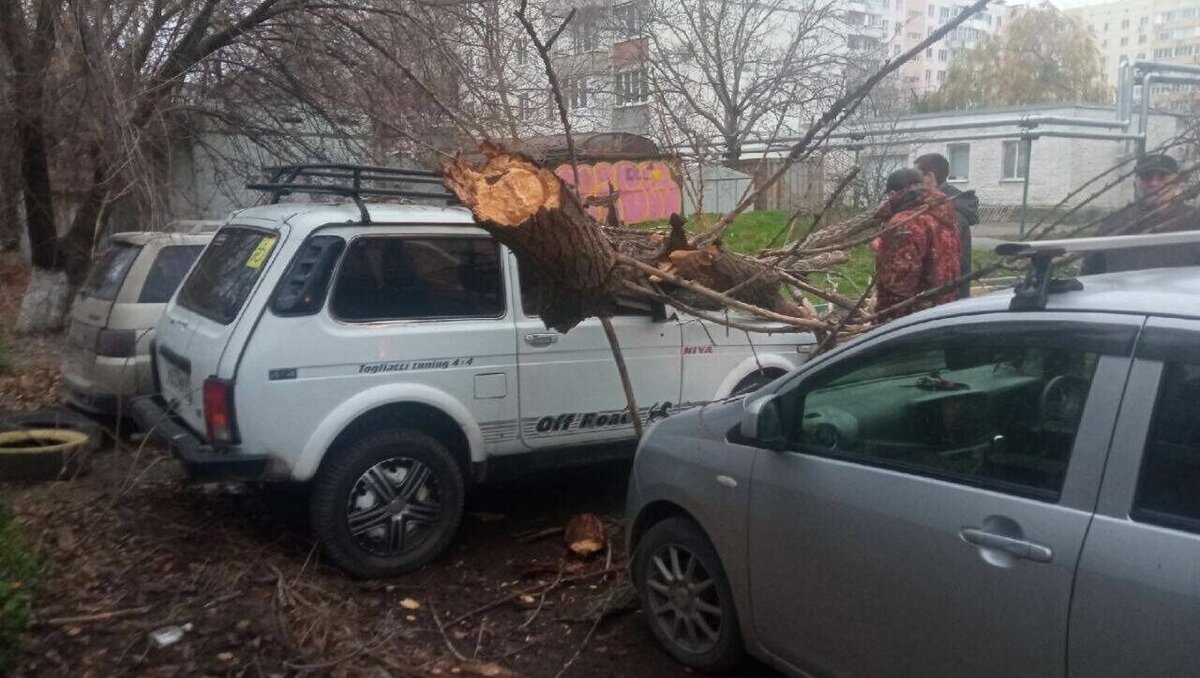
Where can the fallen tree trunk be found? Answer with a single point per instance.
(575, 263)
(538, 217)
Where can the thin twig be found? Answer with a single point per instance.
(442, 629)
(99, 616)
(591, 632)
(530, 591)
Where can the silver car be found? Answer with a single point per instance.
(970, 491)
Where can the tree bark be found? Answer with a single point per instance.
(538, 217)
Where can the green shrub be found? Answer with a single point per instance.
(20, 577)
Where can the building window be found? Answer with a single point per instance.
(584, 36)
(632, 86)
(941, 76)
(1162, 52)
(960, 161)
(928, 76)
(1015, 156)
(1124, 23)
(932, 10)
(1106, 26)
(1141, 39)
(1144, 21)
(895, 50)
(945, 13)
(1164, 35)
(942, 55)
(575, 92)
(929, 53)
(1103, 43)
(1124, 42)
(1183, 50)
(628, 19)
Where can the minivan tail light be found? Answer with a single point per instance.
(219, 421)
(116, 343)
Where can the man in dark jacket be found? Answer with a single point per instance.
(1158, 207)
(935, 169)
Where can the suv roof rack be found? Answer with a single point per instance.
(350, 181)
(1031, 293)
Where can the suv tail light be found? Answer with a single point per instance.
(219, 421)
(116, 343)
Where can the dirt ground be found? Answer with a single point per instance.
(133, 550)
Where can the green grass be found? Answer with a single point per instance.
(20, 577)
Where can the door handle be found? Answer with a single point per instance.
(1018, 548)
(541, 340)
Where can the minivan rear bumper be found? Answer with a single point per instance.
(203, 463)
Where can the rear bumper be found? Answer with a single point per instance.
(202, 463)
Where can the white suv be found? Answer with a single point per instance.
(385, 353)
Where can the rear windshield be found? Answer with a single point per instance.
(167, 272)
(107, 274)
(226, 272)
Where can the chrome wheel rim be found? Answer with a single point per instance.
(393, 506)
(683, 599)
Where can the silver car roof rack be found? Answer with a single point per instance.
(1031, 293)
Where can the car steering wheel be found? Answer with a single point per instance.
(1062, 399)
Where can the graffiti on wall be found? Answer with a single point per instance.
(646, 189)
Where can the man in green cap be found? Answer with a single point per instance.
(1158, 207)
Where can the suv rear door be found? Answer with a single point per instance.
(1137, 595)
(205, 313)
(98, 293)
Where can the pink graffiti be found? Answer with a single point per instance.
(647, 189)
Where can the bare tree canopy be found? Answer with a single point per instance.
(738, 69)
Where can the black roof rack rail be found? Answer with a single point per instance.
(350, 181)
(1031, 293)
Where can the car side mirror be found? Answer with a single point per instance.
(761, 425)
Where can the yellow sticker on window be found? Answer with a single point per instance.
(260, 253)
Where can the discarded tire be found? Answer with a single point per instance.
(43, 454)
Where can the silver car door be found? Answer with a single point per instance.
(926, 516)
(1137, 595)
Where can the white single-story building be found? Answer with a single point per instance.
(1071, 144)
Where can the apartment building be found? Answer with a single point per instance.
(1152, 30)
(885, 29)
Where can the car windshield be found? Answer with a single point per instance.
(109, 271)
(223, 278)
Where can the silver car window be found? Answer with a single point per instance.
(975, 409)
(1168, 490)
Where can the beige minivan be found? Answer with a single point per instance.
(106, 360)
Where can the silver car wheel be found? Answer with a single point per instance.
(393, 506)
(683, 599)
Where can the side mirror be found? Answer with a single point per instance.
(761, 425)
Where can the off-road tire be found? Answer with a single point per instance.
(339, 476)
(727, 652)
